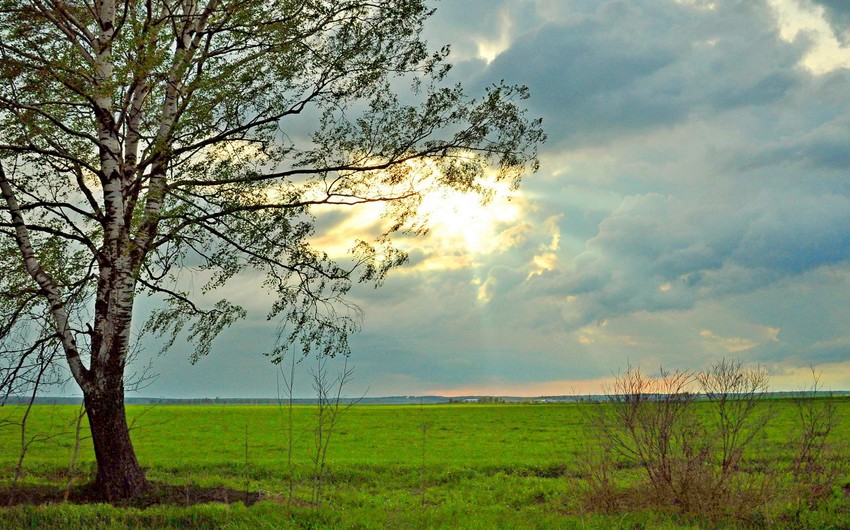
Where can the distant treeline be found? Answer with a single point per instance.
(386, 400)
(389, 400)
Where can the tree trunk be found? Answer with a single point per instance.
(119, 476)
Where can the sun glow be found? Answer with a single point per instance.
(497, 41)
(461, 222)
(460, 226)
(500, 387)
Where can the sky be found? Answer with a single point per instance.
(692, 204)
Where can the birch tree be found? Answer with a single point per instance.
(139, 138)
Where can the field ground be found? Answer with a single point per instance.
(430, 466)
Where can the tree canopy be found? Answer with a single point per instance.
(141, 139)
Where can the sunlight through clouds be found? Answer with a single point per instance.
(796, 19)
(460, 222)
(490, 48)
(461, 226)
(547, 259)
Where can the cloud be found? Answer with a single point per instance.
(595, 75)
(659, 252)
(833, 376)
(692, 203)
(499, 280)
(479, 30)
(837, 13)
(794, 234)
(822, 25)
(732, 345)
(585, 81)
(695, 182)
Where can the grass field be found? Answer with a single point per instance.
(468, 466)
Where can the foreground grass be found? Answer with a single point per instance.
(434, 466)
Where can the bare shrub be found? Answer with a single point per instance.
(694, 436)
(330, 406)
(690, 450)
(737, 415)
(288, 378)
(817, 462)
(20, 383)
(647, 422)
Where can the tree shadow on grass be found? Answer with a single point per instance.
(186, 495)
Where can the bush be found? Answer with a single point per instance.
(692, 434)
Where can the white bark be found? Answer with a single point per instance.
(188, 41)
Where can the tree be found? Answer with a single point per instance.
(142, 138)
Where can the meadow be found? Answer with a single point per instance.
(399, 466)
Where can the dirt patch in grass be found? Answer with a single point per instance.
(547, 471)
(187, 495)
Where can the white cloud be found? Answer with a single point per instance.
(796, 19)
(733, 345)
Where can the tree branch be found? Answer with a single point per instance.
(46, 283)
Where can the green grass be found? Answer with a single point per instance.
(433, 466)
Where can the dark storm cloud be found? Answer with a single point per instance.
(838, 14)
(600, 77)
(795, 234)
(659, 253)
(587, 82)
